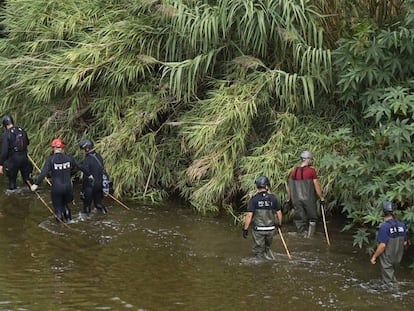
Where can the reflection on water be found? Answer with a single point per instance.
(159, 258)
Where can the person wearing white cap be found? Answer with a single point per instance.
(303, 191)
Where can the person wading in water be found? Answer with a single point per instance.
(265, 215)
(14, 153)
(60, 167)
(303, 190)
(392, 237)
(92, 191)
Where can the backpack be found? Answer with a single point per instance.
(18, 141)
(106, 181)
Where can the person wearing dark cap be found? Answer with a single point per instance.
(13, 154)
(265, 215)
(92, 191)
(391, 238)
(60, 166)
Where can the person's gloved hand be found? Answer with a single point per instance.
(288, 205)
(91, 180)
(34, 187)
(322, 201)
(245, 233)
(279, 226)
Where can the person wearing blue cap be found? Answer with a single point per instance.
(391, 238)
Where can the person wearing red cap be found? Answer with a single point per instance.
(60, 166)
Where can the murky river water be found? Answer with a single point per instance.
(167, 258)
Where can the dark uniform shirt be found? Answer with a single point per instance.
(264, 206)
(392, 233)
(60, 167)
(93, 163)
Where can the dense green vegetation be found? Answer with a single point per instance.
(198, 98)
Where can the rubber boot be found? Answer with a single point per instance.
(12, 184)
(300, 227)
(268, 254)
(311, 229)
(87, 210)
(102, 209)
(259, 256)
(68, 214)
(58, 216)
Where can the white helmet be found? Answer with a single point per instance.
(306, 155)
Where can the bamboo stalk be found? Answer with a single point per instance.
(149, 177)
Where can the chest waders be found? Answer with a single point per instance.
(303, 196)
(264, 225)
(391, 257)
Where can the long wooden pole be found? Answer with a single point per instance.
(48, 207)
(325, 227)
(116, 200)
(35, 165)
(47, 180)
(284, 243)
